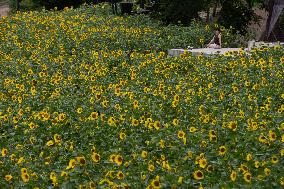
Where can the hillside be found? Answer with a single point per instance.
(91, 100)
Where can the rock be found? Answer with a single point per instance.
(204, 51)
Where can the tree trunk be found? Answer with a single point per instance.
(207, 14)
(215, 9)
(264, 36)
(276, 33)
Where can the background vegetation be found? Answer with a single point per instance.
(237, 14)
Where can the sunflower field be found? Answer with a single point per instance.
(91, 100)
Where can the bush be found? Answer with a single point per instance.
(60, 4)
(179, 11)
(237, 14)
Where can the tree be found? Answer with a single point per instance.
(60, 4)
(237, 13)
(180, 11)
(210, 4)
(276, 30)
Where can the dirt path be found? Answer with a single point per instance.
(4, 10)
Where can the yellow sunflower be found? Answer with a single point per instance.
(72, 164)
(247, 177)
(181, 134)
(92, 185)
(198, 175)
(156, 183)
(274, 159)
(192, 129)
(151, 167)
(94, 116)
(25, 177)
(8, 177)
(120, 175)
(81, 160)
(4, 152)
(233, 175)
(202, 163)
(118, 159)
(135, 122)
(144, 154)
(122, 135)
(175, 122)
(222, 150)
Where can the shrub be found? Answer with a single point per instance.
(179, 11)
(237, 14)
(60, 4)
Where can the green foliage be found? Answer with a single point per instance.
(60, 4)
(180, 11)
(238, 14)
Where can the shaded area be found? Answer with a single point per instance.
(4, 9)
(273, 31)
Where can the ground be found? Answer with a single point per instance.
(4, 8)
(259, 27)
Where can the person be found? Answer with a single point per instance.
(216, 42)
